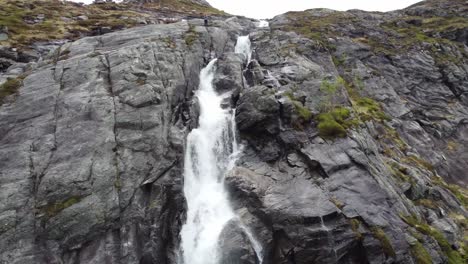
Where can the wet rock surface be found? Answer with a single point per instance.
(91, 145)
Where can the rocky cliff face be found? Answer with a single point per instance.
(352, 124)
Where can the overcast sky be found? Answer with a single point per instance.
(270, 8)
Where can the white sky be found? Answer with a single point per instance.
(270, 8)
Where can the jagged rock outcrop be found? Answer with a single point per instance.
(351, 124)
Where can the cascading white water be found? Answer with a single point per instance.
(211, 152)
(208, 156)
(243, 46)
(262, 24)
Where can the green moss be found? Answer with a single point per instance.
(341, 114)
(453, 256)
(303, 112)
(339, 61)
(53, 209)
(328, 127)
(387, 247)
(334, 123)
(10, 87)
(420, 254)
(369, 109)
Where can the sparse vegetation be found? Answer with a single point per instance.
(339, 204)
(427, 203)
(60, 18)
(53, 209)
(453, 256)
(400, 172)
(387, 247)
(10, 87)
(452, 146)
(318, 28)
(369, 109)
(191, 36)
(459, 192)
(302, 111)
(420, 253)
(332, 124)
(330, 89)
(355, 224)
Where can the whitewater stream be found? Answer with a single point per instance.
(210, 153)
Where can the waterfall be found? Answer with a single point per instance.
(243, 46)
(262, 24)
(210, 153)
(208, 156)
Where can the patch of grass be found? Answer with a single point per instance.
(387, 247)
(53, 209)
(453, 256)
(10, 87)
(420, 254)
